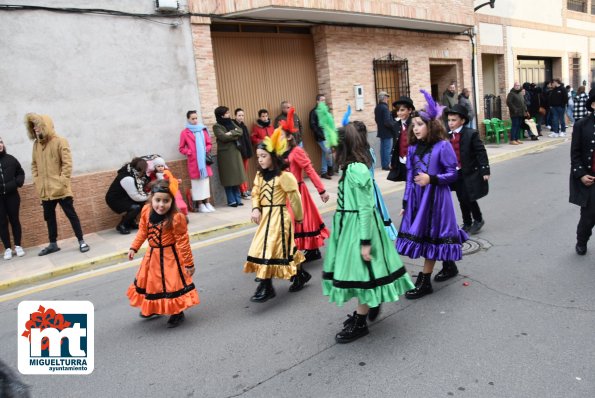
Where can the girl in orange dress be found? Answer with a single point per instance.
(163, 284)
(311, 233)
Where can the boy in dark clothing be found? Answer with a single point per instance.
(557, 99)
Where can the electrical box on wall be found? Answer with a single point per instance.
(358, 90)
(166, 5)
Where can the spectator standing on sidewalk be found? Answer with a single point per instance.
(558, 98)
(580, 105)
(449, 100)
(245, 148)
(517, 110)
(262, 128)
(386, 127)
(285, 107)
(51, 168)
(12, 177)
(326, 164)
(466, 102)
(570, 106)
(582, 175)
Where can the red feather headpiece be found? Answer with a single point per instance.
(288, 125)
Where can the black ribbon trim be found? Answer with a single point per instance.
(385, 280)
(309, 234)
(166, 295)
(270, 261)
(435, 241)
(387, 223)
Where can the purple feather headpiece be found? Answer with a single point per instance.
(433, 110)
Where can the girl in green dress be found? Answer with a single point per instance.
(361, 261)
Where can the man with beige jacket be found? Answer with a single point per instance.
(51, 168)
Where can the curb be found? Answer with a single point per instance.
(198, 235)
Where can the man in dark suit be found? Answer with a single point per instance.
(582, 175)
(386, 128)
(473, 170)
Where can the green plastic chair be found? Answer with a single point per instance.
(490, 133)
(499, 129)
(507, 124)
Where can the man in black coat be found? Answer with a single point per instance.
(386, 128)
(582, 175)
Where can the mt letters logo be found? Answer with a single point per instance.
(56, 337)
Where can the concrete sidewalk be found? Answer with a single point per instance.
(109, 247)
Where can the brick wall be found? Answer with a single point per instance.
(344, 57)
(89, 202)
(205, 69)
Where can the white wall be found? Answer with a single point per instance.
(541, 11)
(116, 87)
(490, 34)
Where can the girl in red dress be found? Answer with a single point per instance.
(163, 283)
(311, 233)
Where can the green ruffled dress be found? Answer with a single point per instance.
(345, 274)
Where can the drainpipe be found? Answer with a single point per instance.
(471, 33)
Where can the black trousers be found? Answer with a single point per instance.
(585, 225)
(468, 207)
(49, 215)
(9, 213)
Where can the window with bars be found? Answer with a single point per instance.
(391, 74)
(578, 5)
(575, 72)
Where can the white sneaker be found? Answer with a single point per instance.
(549, 127)
(19, 250)
(210, 207)
(562, 134)
(203, 209)
(8, 254)
(553, 135)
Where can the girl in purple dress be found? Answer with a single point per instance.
(429, 228)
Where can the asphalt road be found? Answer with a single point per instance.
(524, 327)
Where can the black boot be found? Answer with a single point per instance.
(121, 228)
(312, 255)
(355, 327)
(423, 286)
(264, 291)
(176, 320)
(373, 313)
(299, 280)
(449, 270)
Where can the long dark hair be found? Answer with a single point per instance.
(353, 147)
(436, 131)
(278, 163)
(162, 186)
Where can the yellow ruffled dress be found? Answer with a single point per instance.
(273, 253)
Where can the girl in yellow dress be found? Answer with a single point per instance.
(273, 253)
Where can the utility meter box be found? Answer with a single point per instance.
(358, 90)
(166, 5)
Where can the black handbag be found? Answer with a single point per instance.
(209, 158)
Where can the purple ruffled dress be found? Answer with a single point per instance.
(429, 228)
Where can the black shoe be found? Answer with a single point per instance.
(386, 168)
(264, 291)
(132, 225)
(84, 247)
(581, 250)
(325, 176)
(423, 286)
(299, 280)
(466, 227)
(534, 138)
(330, 172)
(476, 226)
(312, 255)
(449, 270)
(234, 204)
(373, 313)
(51, 248)
(240, 204)
(176, 320)
(121, 228)
(355, 327)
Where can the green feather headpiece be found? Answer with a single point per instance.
(326, 121)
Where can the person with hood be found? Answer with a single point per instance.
(582, 175)
(245, 148)
(51, 168)
(127, 193)
(195, 144)
(12, 177)
(518, 110)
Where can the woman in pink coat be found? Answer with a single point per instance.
(195, 143)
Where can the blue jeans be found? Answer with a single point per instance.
(516, 127)
(558, 119)
(386, 145)
(570, 113)
(327, 158)
(233, 195)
